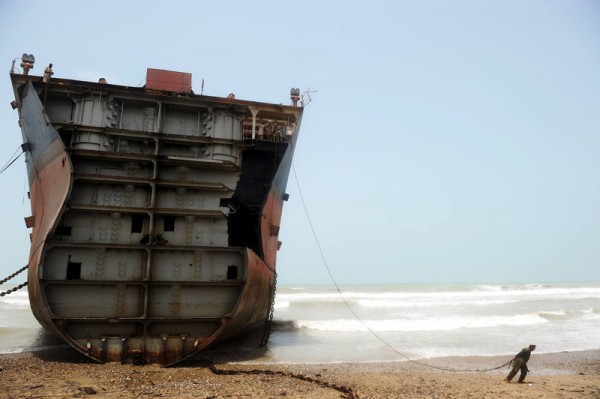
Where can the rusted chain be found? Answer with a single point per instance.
(14, 289)
(347, 392)
(13, 275)
(269, 321)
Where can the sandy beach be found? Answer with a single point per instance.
(64, 373)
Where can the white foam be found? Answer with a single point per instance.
(281, 304)
(422, 324)
(374, 303)
(15, 299)
(479, 293)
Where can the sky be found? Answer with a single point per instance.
(447, 141)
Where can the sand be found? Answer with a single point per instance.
(64, 373)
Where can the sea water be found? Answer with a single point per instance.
(314, 324)
(18, 327)
(389, 323)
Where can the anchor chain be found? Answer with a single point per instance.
(13, 275)
(269, 321)
(347, 392)
(14, 289)
(18, 287)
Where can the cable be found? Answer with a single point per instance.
(11, 160)
(384, 342)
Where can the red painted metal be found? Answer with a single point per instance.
(171, 81)
(49, 192)
(271, 217)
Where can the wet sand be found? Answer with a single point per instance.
(64, 373)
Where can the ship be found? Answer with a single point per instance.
(155, 212)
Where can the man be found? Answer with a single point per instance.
(520, 363)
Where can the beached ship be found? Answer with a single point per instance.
(155, 212)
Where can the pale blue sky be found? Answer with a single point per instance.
(449, 141)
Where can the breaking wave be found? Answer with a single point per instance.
(427, 324)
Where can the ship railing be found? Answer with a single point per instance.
(266, 132)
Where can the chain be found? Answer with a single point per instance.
(269, 320)
(13, 275)
(346, 392)
(18, 287)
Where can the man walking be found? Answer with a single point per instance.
(520, 363)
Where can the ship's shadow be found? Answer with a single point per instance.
(242, 348)
(50, 348)
(246, 348)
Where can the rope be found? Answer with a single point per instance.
(384, 342)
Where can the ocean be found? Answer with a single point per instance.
(315, 324)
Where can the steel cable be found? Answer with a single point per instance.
(384, 342)
(11, 160)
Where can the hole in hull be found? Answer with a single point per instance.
(74, 271)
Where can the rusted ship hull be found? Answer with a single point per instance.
(155, 214)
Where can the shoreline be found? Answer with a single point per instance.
(65, 373)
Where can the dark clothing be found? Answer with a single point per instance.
(520, 363)
(525, 354)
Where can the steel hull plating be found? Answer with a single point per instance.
(155, 217)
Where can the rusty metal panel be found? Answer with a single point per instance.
(162, 80)
(197, 266)
(202, 328)
(93, 264)
(83, 330)
(30, 221)
(98, 300)
(177, 301)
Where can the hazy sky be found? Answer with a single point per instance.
(448, 141)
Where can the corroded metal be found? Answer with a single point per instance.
(155, 216)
